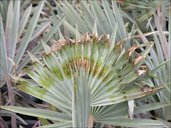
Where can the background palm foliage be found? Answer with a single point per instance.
(20, 30)
(24, 23)
(156, 18)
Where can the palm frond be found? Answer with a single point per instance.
(87, 81)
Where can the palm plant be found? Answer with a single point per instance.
(20, 27)
(88, 82)
(83, 88)
(137, 14)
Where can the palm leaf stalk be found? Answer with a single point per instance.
(88, 81)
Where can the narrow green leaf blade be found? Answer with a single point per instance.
(138, 123)
(47, 114)
(29, 33)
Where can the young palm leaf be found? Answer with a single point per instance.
(87, 81)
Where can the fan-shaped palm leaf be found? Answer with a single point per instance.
(88, 80)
